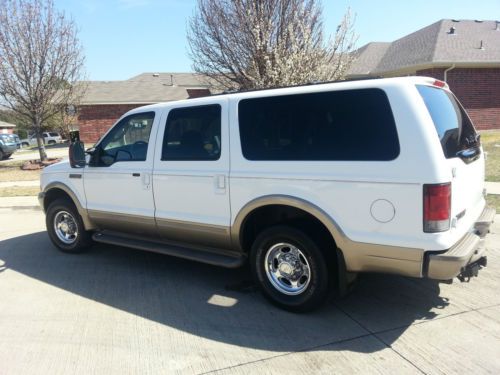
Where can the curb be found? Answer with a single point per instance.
(21, 208)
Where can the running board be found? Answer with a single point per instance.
(209, 257)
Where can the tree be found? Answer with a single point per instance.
(40, 61)
(247, 44)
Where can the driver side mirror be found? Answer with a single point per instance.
(77, 155)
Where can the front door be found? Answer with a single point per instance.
(118, 180)
(190, 178)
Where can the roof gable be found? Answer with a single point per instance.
(434, 45)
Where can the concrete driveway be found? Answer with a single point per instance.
(114, 310)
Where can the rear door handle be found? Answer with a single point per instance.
(136, 174)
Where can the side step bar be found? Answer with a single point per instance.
(209, 257)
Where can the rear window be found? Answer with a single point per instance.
(355, 125)
(453, 125)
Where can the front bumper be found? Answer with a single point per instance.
(468, 251)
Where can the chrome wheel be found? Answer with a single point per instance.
(65, 227)
(287, 269)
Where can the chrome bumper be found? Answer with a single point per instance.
(469, 250)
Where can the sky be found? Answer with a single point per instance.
(123, 38)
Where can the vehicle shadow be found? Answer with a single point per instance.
(221, 304)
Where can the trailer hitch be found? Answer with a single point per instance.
(472, 269)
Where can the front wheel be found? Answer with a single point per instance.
(290, 268)
(65, 227)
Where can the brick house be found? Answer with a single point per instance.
(6, 128)
(105, 102)
(464, 53)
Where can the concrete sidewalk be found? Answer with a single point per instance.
(492, 187)
(19, 203)
(6, 184)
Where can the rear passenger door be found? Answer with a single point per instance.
(190, 177)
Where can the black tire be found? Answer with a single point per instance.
(52, 142)
(6, 156)
(24, 144)
(1, 155)
(82, 240)
(317, 289)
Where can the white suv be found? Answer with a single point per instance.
(49, 138)
(311, 184)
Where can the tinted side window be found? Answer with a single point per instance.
(193, 133)
(127, 141)
(341, 125)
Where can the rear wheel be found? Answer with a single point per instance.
(65, 227)
(52, 142)
(290, 269)
(25, 144)
(2, 155)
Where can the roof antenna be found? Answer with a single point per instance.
(171, 79)
(481, 45)
(452, 31)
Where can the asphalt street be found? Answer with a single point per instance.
(118, 311)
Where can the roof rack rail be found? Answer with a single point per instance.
(236, 91)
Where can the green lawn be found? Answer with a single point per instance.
(11, 171)
(491, 146)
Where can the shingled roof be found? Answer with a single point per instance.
(446, 42)
(4, 124)
(368, 57)
(143, 89)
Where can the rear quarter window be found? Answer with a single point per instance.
(453, 126)
(350, 125)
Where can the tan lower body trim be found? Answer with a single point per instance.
(171, 230)
(363, 257)
(194, 233)
(125, 223)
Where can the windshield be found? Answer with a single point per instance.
(7, 138)
(453, 125)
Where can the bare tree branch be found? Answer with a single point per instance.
(245, 44)
(41, 61)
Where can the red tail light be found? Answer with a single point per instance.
(437, 207)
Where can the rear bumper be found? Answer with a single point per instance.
(469, 250)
